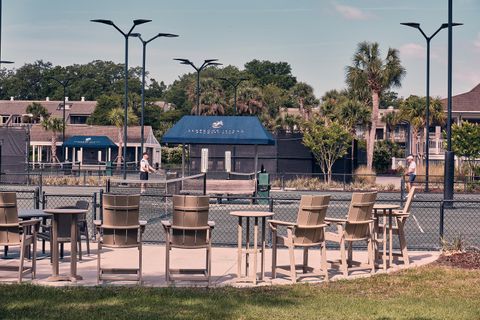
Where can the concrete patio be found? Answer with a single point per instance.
(224, 266)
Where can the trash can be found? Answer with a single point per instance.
(67, 168)
(263, 187)
(108, 168)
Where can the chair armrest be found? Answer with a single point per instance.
(166, 223)
(142, 223)
(314, 226)
(274, 223)
(211, 224)
(335, 220)
(27, 223)
(97, 223)
(361, 222)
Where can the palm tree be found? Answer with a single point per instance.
(211, 97)
(55, 125)
(250, 101)
(116, 117)
(392, 119)
(38, 111)
(370, 71)
(353, 114)
(304, 98)
(412, 109)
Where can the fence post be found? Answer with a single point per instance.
(107, 186)
(44, 200)
(36, 200)
(282, 181)
(205, 183)
(402, 190)
(40, 183)
(442, 216)
(100, 204)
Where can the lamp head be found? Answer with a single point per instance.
(109, 22)
(445, 25)
(6, 62)
(140, 21)
(137, 35)
(210, 60)
(168, 35)
(213, 64)
(411, 24)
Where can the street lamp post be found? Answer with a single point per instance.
(427, 112)
(125, 103)
(64, 83)
(144, 44)
(234, 84)
(206, 63)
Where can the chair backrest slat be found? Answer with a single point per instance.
(312, 211)
(120, 219)
(360, 210)
(408, 203)
(190, 212)
(9, 226)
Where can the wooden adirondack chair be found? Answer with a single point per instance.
(120, 228)
(308, 231)
(17, 233)
(190, 229)
(400, 218)
(358, 226)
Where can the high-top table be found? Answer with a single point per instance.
(386, 210)
(73, 244)
(256, 215)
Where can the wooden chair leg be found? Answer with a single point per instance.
(99, 268)
(87, 237)
(43, 246)
(323, 260)
(140, 264)
(403, 242)
(79, 241)
(23, 248)
(209, 264)
(371, 255)
(350, 253)
(305, 260)
(343, 257)
(293, 271)
(34, 257)
(274, 255)
(61, 250)
(167, 262)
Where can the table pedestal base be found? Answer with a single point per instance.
(64, 278)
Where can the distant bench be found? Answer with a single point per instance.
(89, 167)
(222, 187)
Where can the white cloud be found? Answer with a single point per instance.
(413, 50)
(476, 43)
(351, 13)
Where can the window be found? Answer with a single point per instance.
(78, 119)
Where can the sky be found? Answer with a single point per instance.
(317, 37)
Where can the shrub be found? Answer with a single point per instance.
(363, 175)
(172, 155)
(383, 153)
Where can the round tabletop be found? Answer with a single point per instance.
(385, 206)
(32, 213)
(252, 214)
(65, 211)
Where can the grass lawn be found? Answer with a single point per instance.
(431, 292)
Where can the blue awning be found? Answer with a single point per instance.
(227, 130)
(92, 142)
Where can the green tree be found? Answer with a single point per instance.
(275, 73)
(328, 141)
(466, 143)
(412, 110)
(370, 71)
(116, 117)
(54, 125)
(392, 119)
(38, 111)
(304, 98)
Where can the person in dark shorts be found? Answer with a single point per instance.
(411, 172)
(145, 168)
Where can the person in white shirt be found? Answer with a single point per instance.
(145, 168)
(411, 172)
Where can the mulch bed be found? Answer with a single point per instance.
(465, 260)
